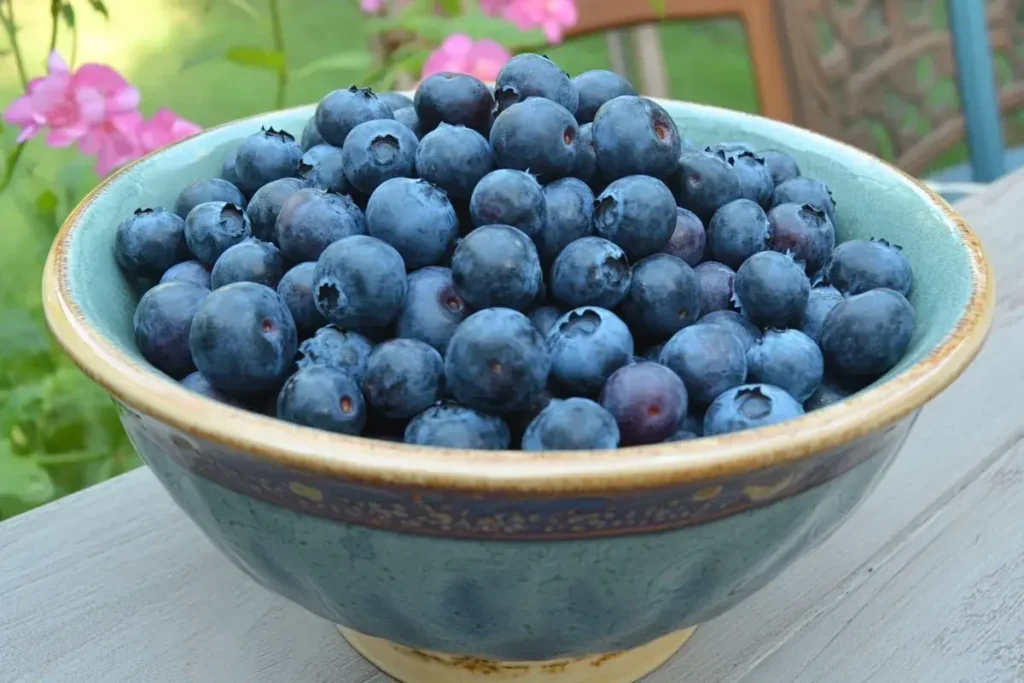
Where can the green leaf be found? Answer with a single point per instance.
(341, 61)
(100, 7)
(256, 57)
(68, 12)
(451, 7)
(21, 478)
(55, 8)
(244, 6)
(47, 202)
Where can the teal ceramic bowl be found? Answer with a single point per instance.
(454, 566)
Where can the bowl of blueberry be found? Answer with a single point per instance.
(519, 381)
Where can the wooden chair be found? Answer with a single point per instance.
(885, 75)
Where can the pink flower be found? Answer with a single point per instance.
(165, 128)
(378, 6)
(114, 142)
(459, 54)
(551, 16)
(70, 104)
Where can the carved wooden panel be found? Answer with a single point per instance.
(880, 73)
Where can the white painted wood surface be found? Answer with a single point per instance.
(924, 584)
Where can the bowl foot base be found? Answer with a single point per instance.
(417, 666)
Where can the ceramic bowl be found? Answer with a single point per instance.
(454, 566)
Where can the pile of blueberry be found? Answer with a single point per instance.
(547, 265)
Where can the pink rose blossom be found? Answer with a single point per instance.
(551, 16)
(70, 104)
(165, 128)
(460, 54)
(113, 143)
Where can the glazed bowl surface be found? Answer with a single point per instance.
(430, 558)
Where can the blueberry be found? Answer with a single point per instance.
(827, 393)
(432, 309)
(788, 359)
(376, 151)
(149, 242)
(416, 218)
(804, 231)
(731, 148)
(311, 135)
(192, 272)
(573, 424)
(266, 156)
(449, 425)
(395, 100)
(296, 291)
(663, 297)
(635, 136)
(227, 168)
(750, 406)
(861, 265)
(819, 304)
(312, 219)
(638, 213)
(321, 167)
(590, 271)
(212, 227)
(249, 261)
(569, 212)
(408, 118)
(586, 346)
(360, 283)
(509, 197)
(682, 435)
(497, 265)
(688, 237)
(705, 183)
(737, 231)
(337, 348)
(647, 400)
(458, 99)
(454, 158)
(755, 177)
(530, 75)
(803, 190)
(597, 87)
(497, 362)
(537, 135)
(586, 156)
(403, 377)
(716, 286)
(544, 318)
(772, 290)
(866, 335)
(325, 398)
(782, 166)
(342, 110)
(266, 204)
(208, 190)
(243, 339)
(198, 383)
(708, 358)
(163, 320)
(745, 331)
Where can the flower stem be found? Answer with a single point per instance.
(54, 13)
(12, 34)
(277, 32)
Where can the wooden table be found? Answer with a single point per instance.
(925, 583)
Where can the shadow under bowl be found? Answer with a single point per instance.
(456, 566)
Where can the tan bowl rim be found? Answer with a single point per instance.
(387, 464)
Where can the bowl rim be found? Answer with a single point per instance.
(389, 464)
